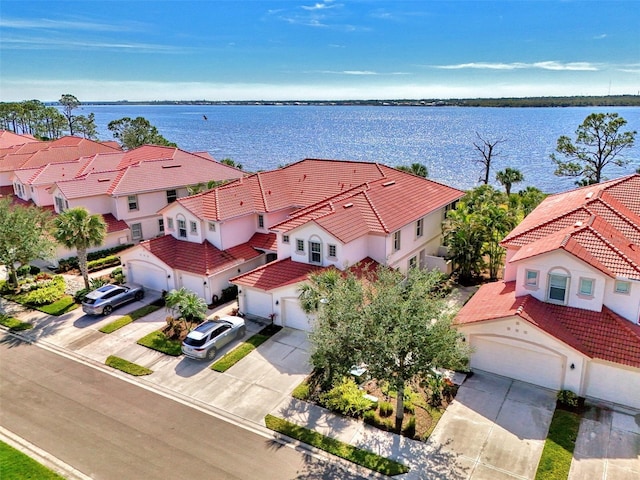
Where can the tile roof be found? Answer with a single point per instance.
(277, 274)
(264, 241)
(199, 258)
(385, 198)
(604, 335)
(10, 139)
(113, 224)
(599, 224)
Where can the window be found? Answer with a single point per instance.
(299, 245)
(136, 231)
(531, 278)
(260, 221)
(132, 200)
(622, 287)
(586, 287)
(285, 238)
(182, 228)
(161, 226)
(558, 288)
(315, 250)
(419, 227)
(170, 223)
(413, 262)
(396, 241)
(172, 195)
(212, 226)
(332, 251)
(193, 227)
(59, 204)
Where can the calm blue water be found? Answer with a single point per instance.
(265, 137)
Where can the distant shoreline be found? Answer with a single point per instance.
(576, 101)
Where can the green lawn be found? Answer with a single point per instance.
(14, 324)
(558, 448)
(127, 319)
(126, 366)
(15, 465)
(237, 354)
(59, 307)
(367, 459)
(158, 341)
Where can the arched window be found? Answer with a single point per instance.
(558, 286)
(315, 250)
(182, 226)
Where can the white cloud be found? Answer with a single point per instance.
(320, 6)
(547, 65)
(65, 25)
(600, 37)
(47, 43)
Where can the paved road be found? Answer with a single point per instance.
(110, 429)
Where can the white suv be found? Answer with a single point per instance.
(204, 341)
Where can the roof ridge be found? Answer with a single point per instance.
(565, 214)
(610, 244)
(626, 324)
(375, 211)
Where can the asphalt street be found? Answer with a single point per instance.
(111, 429)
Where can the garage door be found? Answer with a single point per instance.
(293, 316)
(517, 360)
(147, 275)
(257, 302)
(193, 283)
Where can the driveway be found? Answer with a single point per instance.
(495, 428)
(608, 445)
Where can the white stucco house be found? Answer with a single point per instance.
(301, 218)
(567, 314)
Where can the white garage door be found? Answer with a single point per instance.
(293, 316)
(517, 360)
(193, 283)
(147, 275)
(257, 302)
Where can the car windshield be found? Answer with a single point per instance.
(192, 342)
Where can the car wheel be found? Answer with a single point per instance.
(211, 354)
(139, 295)
(241, 332)
(107, 310)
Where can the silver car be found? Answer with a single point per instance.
(204, 341)
(103, 300)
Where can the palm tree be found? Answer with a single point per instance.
(508, 177)
(187, 304)
(316, 292)
(416, 168)
(76, 228)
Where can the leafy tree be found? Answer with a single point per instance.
(488, 151)
(231, 163)
(186, 304)
(508, 177)
(416, 168)
(399, 326)
(133, 133)
(597, 145)
(530, 198)
(69, 104)
(23, 236)
(87, 126)
(463, 236)
(204, 187)
(77, 228)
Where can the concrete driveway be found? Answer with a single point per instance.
(608, 445)
(495, 428)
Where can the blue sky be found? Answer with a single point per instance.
(316, 49)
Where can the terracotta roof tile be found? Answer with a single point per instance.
(10, 139)
(200, 258)
(602, 335)
(264, 241)
(113, 224)
(277, 274)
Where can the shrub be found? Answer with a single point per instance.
(409, 429)
(24, 270)
(371, 417)
(98, 282)
(102, 263)
(43, 294)
(229, 293)
(66, 264)
(347, 399)
(567, 398)
(81, 294)
(33, 270)
(386, 409)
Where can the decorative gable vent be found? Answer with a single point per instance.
(387, 184)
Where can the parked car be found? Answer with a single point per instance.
(103, 300)
(204, 341)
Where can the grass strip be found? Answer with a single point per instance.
(15, 465)
(356, 455)
(127, 319)
(557, 454)
(159, 341)
(61, 306)
(237, 354)
(14, 324)
(126, 366)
